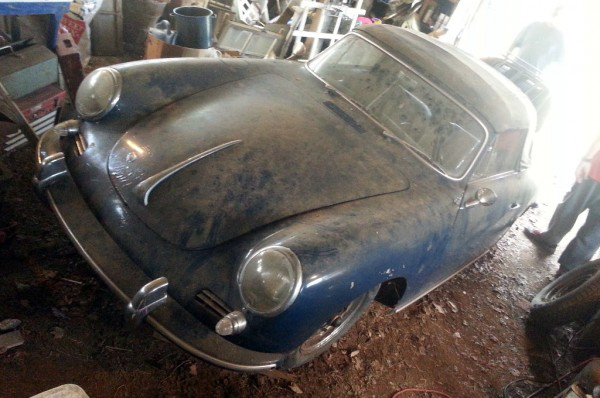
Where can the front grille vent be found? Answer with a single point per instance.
(215, 304)
(80, 144)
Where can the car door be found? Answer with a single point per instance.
(497, 193)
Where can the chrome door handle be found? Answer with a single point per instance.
(483, 196)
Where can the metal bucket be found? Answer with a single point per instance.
(195, 27)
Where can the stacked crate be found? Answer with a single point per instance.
(30, 76)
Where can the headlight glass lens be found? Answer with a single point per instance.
(98, 93)
(270, 280)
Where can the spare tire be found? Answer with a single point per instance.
(573, 296)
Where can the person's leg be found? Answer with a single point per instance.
(576, 201)
(587, 241)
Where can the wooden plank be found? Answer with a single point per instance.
(10, 109)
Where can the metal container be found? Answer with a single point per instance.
(195, 26)
(138, 17)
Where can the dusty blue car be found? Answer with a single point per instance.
(251, 210)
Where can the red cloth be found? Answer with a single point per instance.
(595, 168)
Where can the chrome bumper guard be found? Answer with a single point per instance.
(151, 296)
(124, 277)
(50, 162)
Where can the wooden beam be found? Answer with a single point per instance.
(12, 111)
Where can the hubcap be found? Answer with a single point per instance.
(330, 330)
(567, 285)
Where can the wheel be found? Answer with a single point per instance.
(331, 331)
(590, 336)
(572, 297)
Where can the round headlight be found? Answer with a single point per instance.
(98, 93)
(270, 280)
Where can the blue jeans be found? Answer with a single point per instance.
(582, 196)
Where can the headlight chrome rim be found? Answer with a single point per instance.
(114, 98)
(297, 269)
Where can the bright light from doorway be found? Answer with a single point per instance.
(573, 121)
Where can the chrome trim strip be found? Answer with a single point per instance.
(400, 307)
(42, 184)
(51, 158)
(145, 188)
(83, 253)
(419, 154)
(495, 177)
(444, 92)
(157, 325)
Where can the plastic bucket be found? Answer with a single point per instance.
(194, 27)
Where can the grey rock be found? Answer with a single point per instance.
(57, 332)
(10, 340)
(64, 391)
(21, 286)
(9, 324)
(58, 313)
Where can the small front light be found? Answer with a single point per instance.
(98, 93)
(270, 280)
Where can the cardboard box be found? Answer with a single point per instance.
(40, 109)
(31, 69)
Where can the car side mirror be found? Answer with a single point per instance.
(486, 196)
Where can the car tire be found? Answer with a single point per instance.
(571, 297)
(331, 332)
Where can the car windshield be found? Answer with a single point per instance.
(411, 109)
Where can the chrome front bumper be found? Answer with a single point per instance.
(122, 275)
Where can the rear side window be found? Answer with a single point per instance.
(503, 156)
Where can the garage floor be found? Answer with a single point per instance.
(467, 338)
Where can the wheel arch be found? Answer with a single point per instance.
(391, 292)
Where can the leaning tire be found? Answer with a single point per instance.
(331, 332)
(572, 297)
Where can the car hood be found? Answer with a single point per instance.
(220, 163)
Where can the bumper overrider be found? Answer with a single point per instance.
(146, 298)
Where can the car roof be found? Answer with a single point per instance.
(470, 81)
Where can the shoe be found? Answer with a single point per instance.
(537, 238)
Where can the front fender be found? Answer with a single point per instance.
(345, 251)
(152, 84)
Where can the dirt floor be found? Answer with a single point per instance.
(467, 338)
